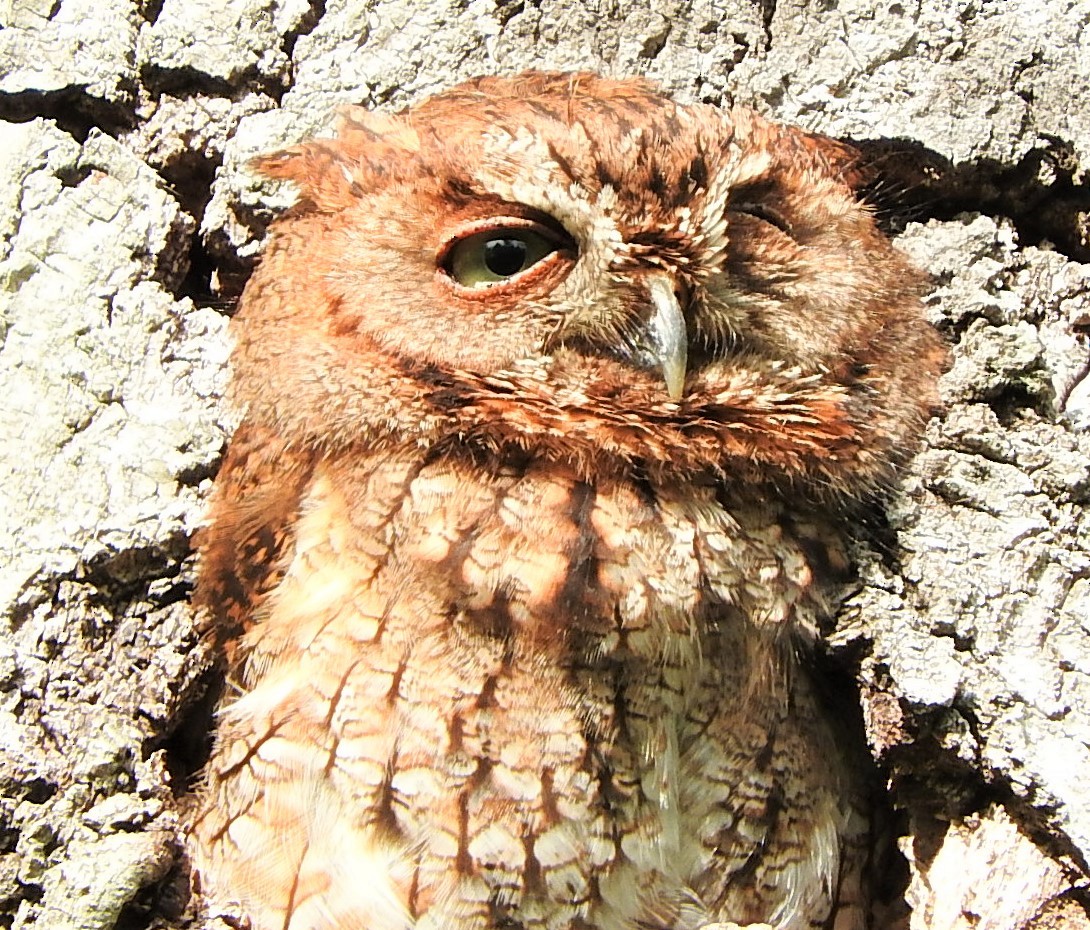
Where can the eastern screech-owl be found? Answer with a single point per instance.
(553, 392)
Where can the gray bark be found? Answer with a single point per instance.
(129, 222)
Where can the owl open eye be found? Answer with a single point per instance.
(505, 249)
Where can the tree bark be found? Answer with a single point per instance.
(129, 223)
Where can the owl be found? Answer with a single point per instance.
(557, 397)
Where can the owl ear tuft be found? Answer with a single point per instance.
(319, 169)
(284, 164)
(334, 173)
(358, 127)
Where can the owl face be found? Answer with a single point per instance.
(582, 269)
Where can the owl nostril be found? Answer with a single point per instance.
(656, 339)
(682, 293)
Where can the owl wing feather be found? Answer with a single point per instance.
(245, 548)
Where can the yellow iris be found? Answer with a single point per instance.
(495, 255)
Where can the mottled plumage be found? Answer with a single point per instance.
(521, 563)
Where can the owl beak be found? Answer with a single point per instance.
(667, 334)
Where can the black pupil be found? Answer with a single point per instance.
(504, 257)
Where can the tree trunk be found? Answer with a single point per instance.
(129, 225)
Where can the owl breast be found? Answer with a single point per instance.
(508, 697)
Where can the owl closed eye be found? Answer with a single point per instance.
(552, 387)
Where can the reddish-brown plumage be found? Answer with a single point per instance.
(526, 570)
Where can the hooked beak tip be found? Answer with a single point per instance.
(674, 376)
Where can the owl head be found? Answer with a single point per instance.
(565, 266)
